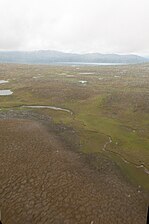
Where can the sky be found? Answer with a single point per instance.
(105, 26)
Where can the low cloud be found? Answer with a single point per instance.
(106, 26)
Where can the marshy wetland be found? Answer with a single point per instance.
(74, 144)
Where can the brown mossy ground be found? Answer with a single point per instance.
(43, 181)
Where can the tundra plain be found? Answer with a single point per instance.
(74, 144)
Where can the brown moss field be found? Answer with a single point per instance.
(86, 165)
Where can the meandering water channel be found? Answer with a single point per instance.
(142, 166)
(49, 107)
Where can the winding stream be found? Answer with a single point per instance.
(122, 158)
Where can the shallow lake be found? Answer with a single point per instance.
(87, 63)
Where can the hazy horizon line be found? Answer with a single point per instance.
(76, 52)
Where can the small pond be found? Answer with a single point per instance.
(3, 81)
(83, 81)
(5, 92)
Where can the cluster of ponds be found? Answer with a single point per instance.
(5, 92)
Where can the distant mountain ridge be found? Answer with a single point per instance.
(48, 56)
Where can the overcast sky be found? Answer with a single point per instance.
(106, 26)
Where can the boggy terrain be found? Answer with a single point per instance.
(42, 181)
(74, 144)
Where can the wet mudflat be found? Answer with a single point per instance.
(42, 181)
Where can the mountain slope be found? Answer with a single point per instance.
(47, 57)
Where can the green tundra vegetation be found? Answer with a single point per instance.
(110, 111)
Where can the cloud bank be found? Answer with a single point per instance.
(106, 26)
